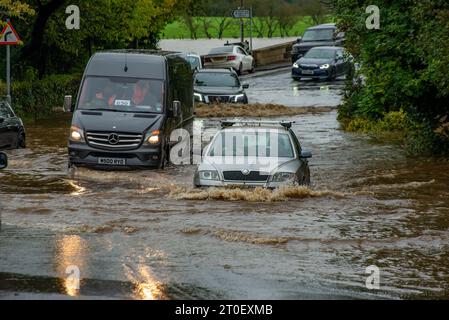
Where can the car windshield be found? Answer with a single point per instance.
(250, 143)
(319, 35)
(122, 94)
(221, 50)
(317, 53)
(216, 79)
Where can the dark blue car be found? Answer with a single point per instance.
(324, 63)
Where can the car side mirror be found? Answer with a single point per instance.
(176, 109)
(299, 40)
(245, 86)
(2, 120)
(68, 104)
(3, 160)
(305, 154)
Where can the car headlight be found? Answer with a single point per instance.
(154, 137)
(239, 97)
(295, 65)
(324, 66)
(284, 177)
(198, 97)
(76, 134)
(209, 175)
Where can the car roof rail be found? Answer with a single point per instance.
(230, 123)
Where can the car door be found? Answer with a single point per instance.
(14, 125)
(4, 130)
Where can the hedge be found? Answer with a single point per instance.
(37, 99)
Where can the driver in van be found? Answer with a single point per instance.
(143, 95)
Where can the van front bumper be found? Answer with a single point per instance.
(81, 154)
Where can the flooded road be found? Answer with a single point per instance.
(150, 235)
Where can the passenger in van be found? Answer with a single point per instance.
(142, 94)
(104, 97)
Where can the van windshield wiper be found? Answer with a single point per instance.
(104, 109)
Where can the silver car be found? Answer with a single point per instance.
(228, 57)
(255, 154)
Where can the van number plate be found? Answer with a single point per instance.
(112, 161)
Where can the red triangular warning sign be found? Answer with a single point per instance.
(9, 35)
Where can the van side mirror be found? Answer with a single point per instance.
(305, 154)
(3, 160)
(245, 86)
(299, 40)
(68, 104)
(176, 109)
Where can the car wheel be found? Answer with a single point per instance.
(253, 68)
(240, 71)
(306, 179)
(21, 140)
(163, 162)
(333, 75)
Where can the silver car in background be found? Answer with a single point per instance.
(255, 154)
(228, 57)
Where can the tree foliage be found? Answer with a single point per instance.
(49, 47)
(405, 63)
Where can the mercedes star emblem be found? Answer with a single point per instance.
(113, 138)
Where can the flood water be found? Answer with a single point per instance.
(150, 235)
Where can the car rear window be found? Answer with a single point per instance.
(251, 143)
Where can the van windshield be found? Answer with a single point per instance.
(122, 94)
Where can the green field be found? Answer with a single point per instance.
(179, 30)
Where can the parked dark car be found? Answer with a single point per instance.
(12, 131)
(323, 63)
(323, 35)
(3, 161)
(219, 86)
(128, 105)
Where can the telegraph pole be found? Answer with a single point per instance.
(242, 24)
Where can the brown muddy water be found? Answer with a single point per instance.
(150, 235)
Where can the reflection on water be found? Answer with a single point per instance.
(70, 260)
(368, 205)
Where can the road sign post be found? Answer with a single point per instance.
(241, 14)
(8, 38)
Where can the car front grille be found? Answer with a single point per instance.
(218, 99)
(114, 141)
(308, 66)
(239, 176)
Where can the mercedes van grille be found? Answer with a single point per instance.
(115, 141)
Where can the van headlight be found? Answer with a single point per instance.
(324, 66)
(198, 97)
(76, 134)
(154, 137)
(209, 175)
(284, 177)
